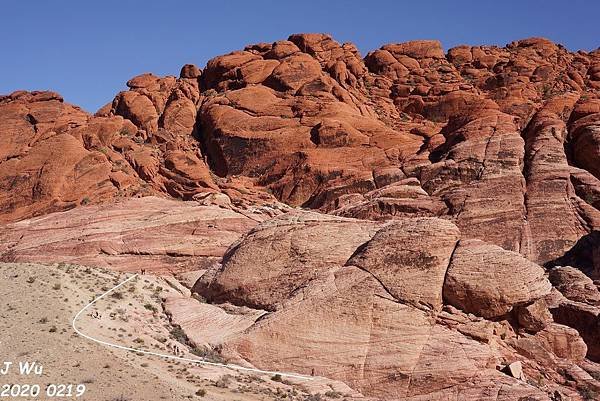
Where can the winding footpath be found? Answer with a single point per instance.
(167, 356)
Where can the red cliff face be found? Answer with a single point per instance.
(503, 141)
(499, 148)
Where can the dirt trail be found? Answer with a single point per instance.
(38, 306)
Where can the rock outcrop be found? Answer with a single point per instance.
(452, 244)
(488, 281)
(361, 302)
(155, 234)
(500, 140)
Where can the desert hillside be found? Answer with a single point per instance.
(411, 224)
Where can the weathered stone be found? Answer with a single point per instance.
(489, 281)
(534, 317)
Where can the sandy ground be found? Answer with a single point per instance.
(38, 303)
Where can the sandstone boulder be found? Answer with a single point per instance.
(534, 317)
(398, 257)
(574, 285)
(285, 254)
(488, 281)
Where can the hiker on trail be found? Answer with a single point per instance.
(143, 271)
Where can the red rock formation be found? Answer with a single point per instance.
(155, 234)
(363, 304)
(470, 170)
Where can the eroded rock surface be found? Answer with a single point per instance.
(155, 234)
(500, 140)
(361, 302)
(488, 281)
(441, 184)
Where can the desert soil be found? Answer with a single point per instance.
(37, 310)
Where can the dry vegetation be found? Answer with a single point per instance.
(37, 311)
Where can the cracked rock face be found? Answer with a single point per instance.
(408, 271)
(281, 257)
(488, 281)
(362, 303)
(441, 186)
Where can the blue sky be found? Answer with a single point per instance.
(87, 50)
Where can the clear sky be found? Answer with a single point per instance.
(87, 50)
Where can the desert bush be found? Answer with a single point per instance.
(223, 381)
(178, 334)
(588, 394)
(208, 354)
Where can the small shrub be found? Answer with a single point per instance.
(53, 329)
(588, 394)
(85, 201)
(31, 280)
(150, 307)
(178, 334)
(201, 392)
(43, 320)
(589, 198)
(210, 93)
(223, 382)
(117, 295)
(208, 354)
(277, 378)
(56, 286)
